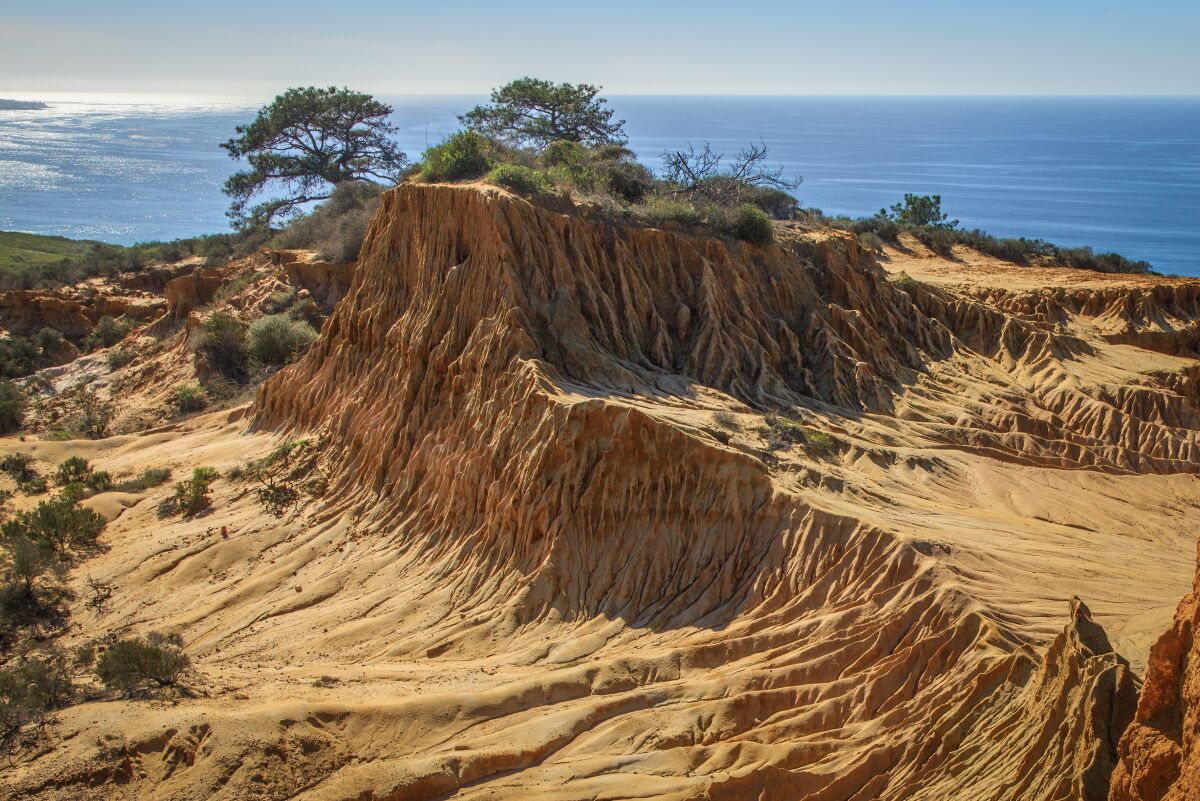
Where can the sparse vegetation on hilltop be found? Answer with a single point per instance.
(922, 217)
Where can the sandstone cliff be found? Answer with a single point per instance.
(1160, 751)
(613, 512)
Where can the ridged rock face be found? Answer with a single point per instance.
(504, 395)
(1160, 752)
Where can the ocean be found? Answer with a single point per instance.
(1119, 174)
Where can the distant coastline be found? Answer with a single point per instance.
(22, 105)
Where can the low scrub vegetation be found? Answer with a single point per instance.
(335, 229)
(276, 339)
(32, 689)
(922, 217)
(191, 496)
(150, 478)
(60, 524)
(538, 138)
(12, 407)
(782, 433)
(188, 398)
(138, 664)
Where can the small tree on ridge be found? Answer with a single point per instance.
(306, 142)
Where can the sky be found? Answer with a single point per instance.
(247, 49)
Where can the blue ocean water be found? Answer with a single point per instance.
(1118, 174)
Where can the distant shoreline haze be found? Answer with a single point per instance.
(22, 105)
(1115, 173)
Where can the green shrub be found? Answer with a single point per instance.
(72, 470)
(463, 155)
(99, 481)
(19, 467)
(191, 496)
(133, 664)
(12, 407)
(188, 398)
(59, 523)
(223, 345)
(870, 241)
(775, 202)
(276, 338)
(281, 301)
(27, 565)
(19, 357)
(919, 211)
(49, 341)
(751, 224)
(519, 179)
(31, 689)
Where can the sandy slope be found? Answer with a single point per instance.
(561, 555)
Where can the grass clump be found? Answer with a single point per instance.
(150, 477)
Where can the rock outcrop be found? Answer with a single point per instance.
(1160, 751)
(592, 510)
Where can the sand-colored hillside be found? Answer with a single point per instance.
(605, 512)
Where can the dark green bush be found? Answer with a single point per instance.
(26, 565)
(31, 689)
(223, 346)
(19, 357)
(19, 467)
(462, 156)
(49, 341)
(12, 407)
(276, 338)
(919, 211)
(519, 179)
(155, 661)
(775, 202)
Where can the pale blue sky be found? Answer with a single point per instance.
(252, 49)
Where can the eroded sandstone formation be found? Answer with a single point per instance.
(607, 511)
(1160, 751)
